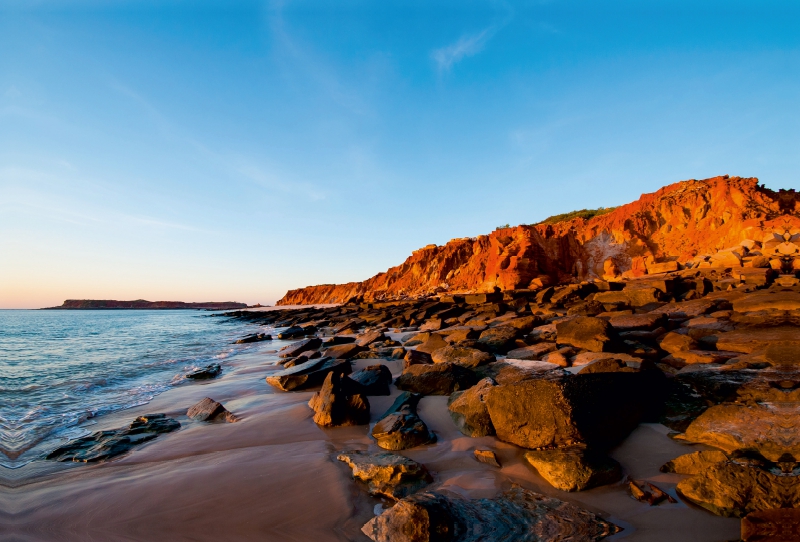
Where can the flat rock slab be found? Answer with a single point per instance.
(517, 515)
(308, 374)
(750, 340)
(466, 357)
(593, 334)
(103, 445)
(387, 474)
(695, 462)
(574, 470)
(210, 410)
(295, 349)
(437, 379)
(533, 352)
(764, 301)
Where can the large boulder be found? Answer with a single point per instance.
(695, 462)
(387, 474)
(499, 340)
(517, 514)
(574, 469)
(208, 410)
(308, 374)
(587, 332)
(432, 343)
(469, 412)
(295, 349)
(735, 490)
(400, 427)
(595, 410)
(437, 379)
(466, 357)
(374, 379)
(339, 402)
(535, 351)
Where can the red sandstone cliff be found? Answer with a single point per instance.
(676, 223)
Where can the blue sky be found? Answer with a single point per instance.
(232, 150)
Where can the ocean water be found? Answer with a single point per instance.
(59, 369)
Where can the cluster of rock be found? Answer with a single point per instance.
(567, 372)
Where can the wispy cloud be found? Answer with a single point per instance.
(466, 46)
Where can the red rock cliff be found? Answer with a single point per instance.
(677, 223)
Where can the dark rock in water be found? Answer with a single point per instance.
(469, 412)
(308, 374)
(593, 410)
(593, 334)
(779, 525)
(735, 490)
(102, 445)
(294, 332)
(400, 427)
(295, 349)
(438, 379)
(209, 410)
(343, 351)
(487, 456)
(258, 337)
(517, 515)
(574, 469)
(338, 339)
(374, 379)
(388, 474)
(204, 373)
(338, 403)
(498, 340)
(466, 357)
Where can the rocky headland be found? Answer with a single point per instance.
(634, 374)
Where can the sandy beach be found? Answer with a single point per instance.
(274, 476)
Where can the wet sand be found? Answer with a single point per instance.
(273, 475)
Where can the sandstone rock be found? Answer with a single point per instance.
(734, 490)
(296, 331)
(574, 469)
(343, 351)
(308, 374)
(695, 462)
(637, 322)
(366, 339)
(535, 351)
(466, 357)
(438, 379)
(607, 365)
(499, 339)
(415, 357)
(487, 456)
(510, 371)
(295, 349)
(102, 445)
(595, 410)
(586, 332)
(210, 410)
(587, 358)
(675, 343)
(517, 514)
(462, 333)
(374, 379)
(400, 427)
(338, 403)
(387, 474)
(556, 358)
(433, 343)
(469, 412)
(257, 337)
(432, 325)
(204, 373)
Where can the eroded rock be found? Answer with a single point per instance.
(400, 427)
(388, 474)
(469, 412)
(574, 469)
(437, 379)
(209, 410)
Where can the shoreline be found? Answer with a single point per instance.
(272, 473)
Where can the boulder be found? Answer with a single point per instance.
(466, 357)
(415, 357)
(366, 339)
(594, 334)
(374, 379)
(735, 490)
(594, 410)
(204, 373)
(343, 351)
(509, 371)
(607, 365)
(638, 322)
(695, 462)
(209, 410)
(432, 343)
(532, 352)
(295, 349)
(574, 469)
(676, 342)
(387, 474)
(258, 337)
(338, 403)
(462, 333)
(517, 514)
(308, 374)
(102, 445)
(498, 339)
(400, 427)
(437, 379)
(469, 412)
(487, 456)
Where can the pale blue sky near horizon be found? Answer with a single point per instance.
(198, 151)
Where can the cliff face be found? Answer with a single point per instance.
(679, 223)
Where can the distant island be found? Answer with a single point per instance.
(142, 304)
